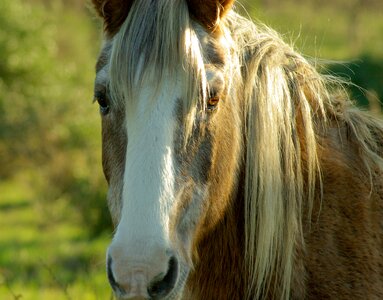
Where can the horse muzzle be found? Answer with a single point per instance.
(142, 279)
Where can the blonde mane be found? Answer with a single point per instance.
(288, 106)
(279, 181)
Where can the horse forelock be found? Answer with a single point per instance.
(157, 38)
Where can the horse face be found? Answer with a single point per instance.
(167, 188)
(165, 196)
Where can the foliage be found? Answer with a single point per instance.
(22, 70)
(47, 123)
(52, 201)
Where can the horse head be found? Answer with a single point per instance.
(171, 137)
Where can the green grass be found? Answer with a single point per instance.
(42, 258)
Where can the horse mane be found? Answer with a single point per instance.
(288, 107)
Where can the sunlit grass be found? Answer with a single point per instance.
(41, 260)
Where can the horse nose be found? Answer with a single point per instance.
(113, 283)
(161, 287)
(139, 284)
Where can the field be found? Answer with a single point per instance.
(54, 223)
(45, 256)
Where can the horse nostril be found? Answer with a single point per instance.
(111, 278)
(161, 288)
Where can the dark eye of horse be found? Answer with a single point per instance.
(102, 102)
(212, 103)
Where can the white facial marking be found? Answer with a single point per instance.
(142, 241)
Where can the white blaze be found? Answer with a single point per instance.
(142, 235)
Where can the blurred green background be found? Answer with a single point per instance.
(54, 222)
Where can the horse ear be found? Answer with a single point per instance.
(114, 13)
(209, 12)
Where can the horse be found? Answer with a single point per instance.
(235, 169)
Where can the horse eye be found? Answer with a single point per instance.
(103, 103)
(212, 103)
